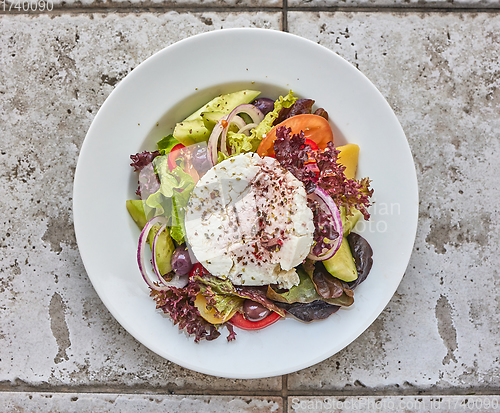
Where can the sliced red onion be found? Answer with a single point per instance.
(247, 128)
(326, 204)
(214, 140)
(250, 110)
(255, 114)
(140, 252)
(177, 281)
(153, 252)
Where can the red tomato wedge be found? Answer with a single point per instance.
(316, 129)
(176, 153)
(312, 144)
(238, 320)
(173, 155)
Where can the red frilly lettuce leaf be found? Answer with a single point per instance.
(148, 180)
(295, 156)
(178, 303)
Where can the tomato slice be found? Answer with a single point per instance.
(238, 320)
(173, 155)
(176, 153)
(316, 130)
(312, 144)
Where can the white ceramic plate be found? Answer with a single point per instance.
(169, 86)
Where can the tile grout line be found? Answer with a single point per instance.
(284, 392)
(284, 17)
(285, 10)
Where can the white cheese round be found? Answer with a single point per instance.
(248, 220)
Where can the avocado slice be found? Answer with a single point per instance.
(189, 132)
(197, 128)
(164, 249)
(164, 246)
(210, 119)
(135, 208)
(342, 265)
(226, 103)
(349, 222)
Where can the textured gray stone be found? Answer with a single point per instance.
(20, 6)
(406, 404)
(157, 403)
(56, 73)
(403, 4)
(440, 73)
(439, 334)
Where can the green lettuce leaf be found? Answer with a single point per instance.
(267, 123)
(166, 144)
(214, 288)
(240, 143)
(305, 292)
(172, 197)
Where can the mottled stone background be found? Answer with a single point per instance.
(436, 62)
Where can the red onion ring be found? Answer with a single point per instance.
(177, 281)
(140, 252)
(326, 204)
(247, 128)
(236, 120)
(214, 140)
(255, 114)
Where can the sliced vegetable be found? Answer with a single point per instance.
(135, 208)
(178, 303)
(226, 103)
(255, 114)
(223, 125)
(213, 141)
(209, 312)
(173, 155)
(306, 292)
(328, 246)
(268, 122)
(300, 107)
(238, 320)
(166, 144)
(341, 265)
(348, 157)
(177, 281)
(314, 146)
(315, 128)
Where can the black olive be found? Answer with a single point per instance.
(255, 311)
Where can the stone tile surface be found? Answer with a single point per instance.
(441, 74)
(16, 6)
(104, 403)
(403, 4)
(56, 73)
(406, 404)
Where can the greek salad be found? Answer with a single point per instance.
(247, 213)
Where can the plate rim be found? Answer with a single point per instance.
(78, 178)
